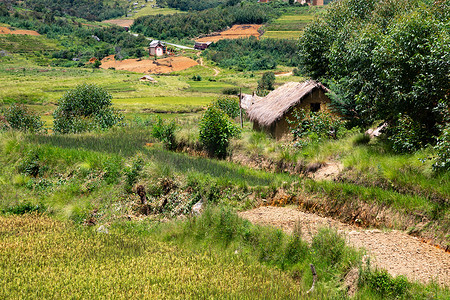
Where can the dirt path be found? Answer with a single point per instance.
(394, 251)
(216, 72)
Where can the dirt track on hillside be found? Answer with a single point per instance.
(235, 32)
(148, 66)
(6, 30)
(394, 251)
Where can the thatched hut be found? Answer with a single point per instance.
(270, 113)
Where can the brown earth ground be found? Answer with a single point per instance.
(120, 22)
(6, 30)
(235, 32)
(148, 66)
(394, 251)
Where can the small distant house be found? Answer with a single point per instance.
(271, 113)
(157, 48)
(201, 45)
(147, 78)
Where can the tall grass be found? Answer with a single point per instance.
(51, 259)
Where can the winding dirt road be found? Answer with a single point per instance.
(394, 251)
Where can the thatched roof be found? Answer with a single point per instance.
(271, 108)
(247, 100)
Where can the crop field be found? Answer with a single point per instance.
(290, 23)
(289, 26)
(44, 258)
(150, 11)
(172, 104)
(288, 35)
(26, 43)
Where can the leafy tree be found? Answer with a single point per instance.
(21, 118)
(230, 105)
(385, 60)
(85, 108)
(267, 81)
(165, 133)
(216, 129)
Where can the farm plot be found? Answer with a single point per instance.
(235, 32)
(6, 30)
(173, 104)
(287, 26)
(149, 66)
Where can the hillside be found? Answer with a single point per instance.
(118, 185)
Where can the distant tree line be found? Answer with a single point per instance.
(193, 24)
(253, 54)
(385, 60)
(92, 10)
(186, 5)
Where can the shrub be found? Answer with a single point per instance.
(197, 78)
(165, 133)
(442, 148)
(230, 91)
(19, 117)
(216, 129)
(85, 108)
(267, 81)
(230, 105)
(405, 135)
(383, 283)
(314, 126)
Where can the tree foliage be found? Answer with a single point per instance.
(93, 10)
(385, 60)
(216, 130)
(253, 54)
(21, 118)
(78, 40)
(229, 104)
(193, 24)
(85, 108)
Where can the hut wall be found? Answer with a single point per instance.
(283, 127)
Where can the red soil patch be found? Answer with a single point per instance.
(120, 22)
(148, 66)
(6, 30)
(235, 32)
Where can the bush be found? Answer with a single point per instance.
(216, 129)
(230, 91)
(230, 105)
(19, 117)
(165, 133)
(383, 283)
(442, 148)
(85, 108)
(405, 135)
(319, 125)
(267, 81)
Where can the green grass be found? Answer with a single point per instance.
(170, 104)
(149, 11)
(290, 23)
(205, 86)
(288, 35)
(26, 43)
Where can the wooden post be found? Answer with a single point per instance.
(240, 108)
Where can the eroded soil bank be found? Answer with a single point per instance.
(394, 251)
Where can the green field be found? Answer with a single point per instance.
(172, 104)
(290, 23)
(289, 35)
